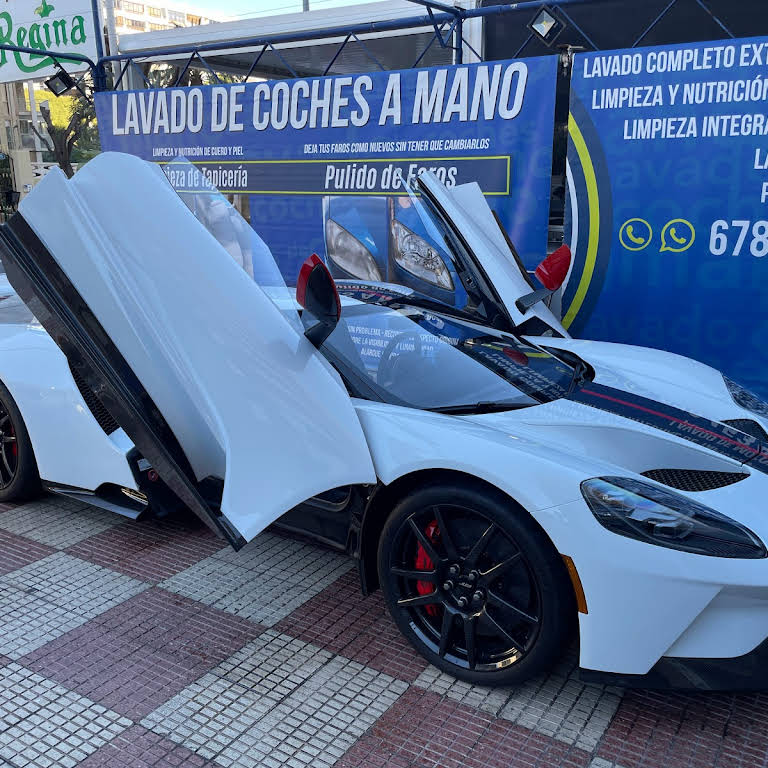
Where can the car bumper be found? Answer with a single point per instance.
(742, 673)
(659, 617)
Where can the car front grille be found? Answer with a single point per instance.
(750, 426)
(694, 479)
(95, 406)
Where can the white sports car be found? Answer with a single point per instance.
(496, 478)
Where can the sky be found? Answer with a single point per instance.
(250, 8)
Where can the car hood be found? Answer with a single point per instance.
(644, 410)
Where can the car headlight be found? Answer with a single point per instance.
(644, 512)
(418, 257)
(349, 253)
(746, 399)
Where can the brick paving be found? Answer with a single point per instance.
(152, 644)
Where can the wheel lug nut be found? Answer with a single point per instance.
(472, 577)
(462, 601)
(477, 597)
(454, 570)
(448, 586)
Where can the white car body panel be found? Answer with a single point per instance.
(70, 447)
(248, 398)
(644, 601)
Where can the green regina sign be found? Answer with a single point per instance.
(63, 26)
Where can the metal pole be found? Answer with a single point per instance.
(109, 7)
(305, 5)
(459, 38)
(100, 73)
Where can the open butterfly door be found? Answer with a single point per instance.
(237, 411)
(496, 272)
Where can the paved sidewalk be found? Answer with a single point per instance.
(140, 644)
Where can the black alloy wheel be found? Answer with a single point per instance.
(9, 450)
(475, 585)
(19, 479)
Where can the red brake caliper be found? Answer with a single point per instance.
(424, 563)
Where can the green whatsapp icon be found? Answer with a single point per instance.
(678, 235)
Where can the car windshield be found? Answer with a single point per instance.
(398, 353)
(421, 359)
(226, 225)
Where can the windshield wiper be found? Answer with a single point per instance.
(582, 373)
(485, 406)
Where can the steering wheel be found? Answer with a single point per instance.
(388, 363)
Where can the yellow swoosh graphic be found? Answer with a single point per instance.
(593, 204)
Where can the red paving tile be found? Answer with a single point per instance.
(150, 551)
(421, 729)
(654, 730)
(341, 620)
(137, 655)
(18, 551)
(139, 748)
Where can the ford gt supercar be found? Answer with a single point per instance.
(497, 479)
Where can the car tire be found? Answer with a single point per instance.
(19, 478)
(498, 606)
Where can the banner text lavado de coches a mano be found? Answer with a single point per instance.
(296, 147)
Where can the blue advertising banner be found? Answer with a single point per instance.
(321, 164)
(668, 202)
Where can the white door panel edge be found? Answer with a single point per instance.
(248, 398)
(468, 209)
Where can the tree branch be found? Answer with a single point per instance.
(44, 139)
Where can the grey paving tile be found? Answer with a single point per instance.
(42, 723)
(264, 581)
(57, 521)
(226, 702)
(598, 762)
(320, 721)
(276, 701)
(49, 597)
(556, 705)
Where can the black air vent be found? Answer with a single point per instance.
(749, 426)
(95, 406)
(694, 479)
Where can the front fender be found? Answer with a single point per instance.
(404, 440)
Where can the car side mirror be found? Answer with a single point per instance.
(316, 293)
(551, 274)
(554, 269)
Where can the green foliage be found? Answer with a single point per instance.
(61, 107)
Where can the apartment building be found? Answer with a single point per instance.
(132, 16)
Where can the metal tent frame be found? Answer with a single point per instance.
(446, 22)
